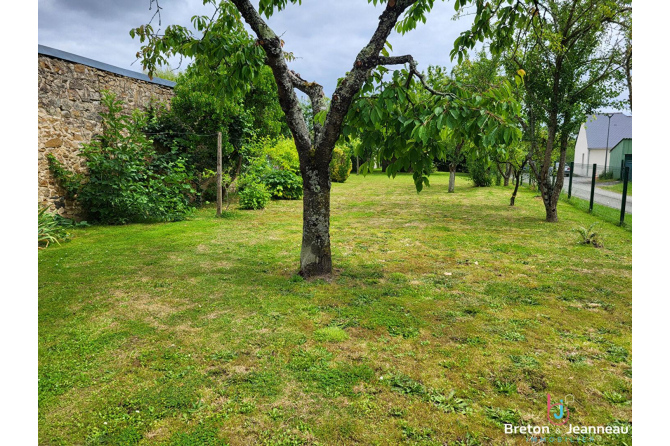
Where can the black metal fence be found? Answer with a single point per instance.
(611, 187)
(611, 172)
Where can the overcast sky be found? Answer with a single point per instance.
(325, 36)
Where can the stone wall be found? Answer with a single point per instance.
(68, 115)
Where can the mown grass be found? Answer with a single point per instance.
(619, 188)
(448, 315)
(604, 213)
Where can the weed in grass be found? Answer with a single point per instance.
(614, 397)
(276, 413)
(450, 403)
(616, 353)
(505, 387)
(502, 416)
(397, 412)
(200, 436)
(447, 364)
(246, 407)
(330, 334)
(224, 356)
(447, 403)
(512, 336)
(272, 438)
(576, 358)
(589, 236)
(524, 361)
(413, 434)
(468, 440)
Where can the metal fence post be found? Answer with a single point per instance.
(623, 196)
(572, 172)
(593, 186)
(219, 185)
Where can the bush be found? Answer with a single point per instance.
(127, 180)
(283, 184)
(479, 169)
(340, 165)
(255, 195)
(282, 154)
(49, 230)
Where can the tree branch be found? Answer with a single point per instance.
(353, 81)
(272, 45)
(316, 95)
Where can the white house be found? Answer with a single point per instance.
(592, 142)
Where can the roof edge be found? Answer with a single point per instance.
(58, 54)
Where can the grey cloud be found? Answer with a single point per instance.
(324, 36)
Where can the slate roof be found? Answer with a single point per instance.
(53, 52)
(621, 126)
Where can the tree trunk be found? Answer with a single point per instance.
(452, 176)
(507, 174)
(315, 256)
(517, 176)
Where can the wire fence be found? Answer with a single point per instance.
(608, 193)
(610, 186)
(614, 171)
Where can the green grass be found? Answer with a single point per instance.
(604, 213)
(447, 316)
(619, 188)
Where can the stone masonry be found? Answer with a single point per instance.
(68, 115)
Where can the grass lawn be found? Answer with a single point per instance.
(619, 188)
(605, 214)
(448, 316)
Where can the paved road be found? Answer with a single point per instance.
(581, 188)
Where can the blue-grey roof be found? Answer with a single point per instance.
(47, 51)
(620, 127)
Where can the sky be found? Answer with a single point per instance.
(325, 36)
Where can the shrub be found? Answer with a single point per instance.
(255, 195)
(479, 169)
(48, 229)
(283, 184)
(127, 180)
(282, 154)
(340, 165)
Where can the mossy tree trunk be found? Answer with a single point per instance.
(315, 150)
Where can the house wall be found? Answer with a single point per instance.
(68, 112)
(597, 156)
(625, 147)
(581, 152)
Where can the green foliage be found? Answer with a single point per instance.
(127, 180)
(49, 229)
(197, 112)
(255, 195)
(283, 184)
(281, 153)
(589, 236)
(412, 127)
(479, 168)
(340, 165)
